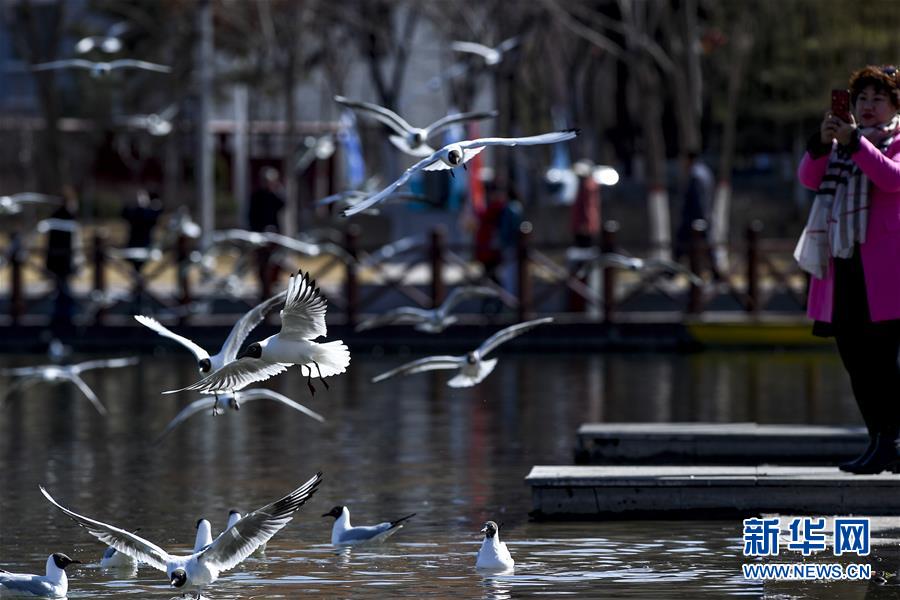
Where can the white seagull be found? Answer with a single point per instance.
(201, 568)
(252, 239)
(302, 321)
(409, 139)
(592, 256)
(231, 401)
(101, 69)
(54, 584)
(491, 56)
(109, 43)
(29, 376)
(433, 320)
(493, 554)
(13, 204)
(473, 366)
(457, 154)
(345, 534)
(156, 124)
(207, 363)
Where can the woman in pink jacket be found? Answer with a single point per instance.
(851, 247)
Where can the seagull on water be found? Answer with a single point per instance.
(202, 567)
(473, 366)
(13, 204)
(345, 534)
(54, 584)
(302, 321)
(409, 139)
(101, 69)
(29, 376)
(493, 554)
(429, 321)
(230, 401)
(458, 154)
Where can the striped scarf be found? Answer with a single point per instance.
(839, 216)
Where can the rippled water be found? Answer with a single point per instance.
(455, 457)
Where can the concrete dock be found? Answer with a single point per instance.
(665, 492)
(716, 443)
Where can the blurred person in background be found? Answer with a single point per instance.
(60, 261)
(264, 210)
(142, 215)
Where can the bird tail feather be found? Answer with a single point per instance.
(333, 358)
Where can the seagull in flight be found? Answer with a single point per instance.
(54, 584)
(109, 43)
(592, 256)
(156, 124)
(345, 534)
(429, 321)
(207, 363)
(493, 554)
(302, 321)
(101, 69)
(199, 569)
(473, 366)
(491, 56)
(253, 239)
(29, 376)
(458, 154)
(13, 204)
(409, 139)
(231, 402)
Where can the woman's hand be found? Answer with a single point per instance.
(835, 128)
(828, 128)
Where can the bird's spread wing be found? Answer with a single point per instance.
(23, 371)
(382, 114)
(234, 376)
(544, 138)
(187, 412)
(463, 293)
(162, 330)
(78, 63)
(513, 331)
(404, 315)
(139, 64)
(124, 541)
(87, 391)
(429, 363)
(247, 323)
(112, 363)
(34, 198)
(472, 48)
(303, 316)
(372, 200)
(507, 44)
(449, 120)
(260, 393)
(240, 540)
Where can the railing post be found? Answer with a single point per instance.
(698, 246)
(753, 299)
(608, 244)
(182, 256)
(524, 270)
(99, 259)
(351, 244)
(438, 247)
(16, 305)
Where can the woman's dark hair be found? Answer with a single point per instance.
(884, 79)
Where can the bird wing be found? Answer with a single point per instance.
(532, 140)
(382, 114)
(124, 541)
(340, 197)
(162, 330)
(87, 391)
(248, 323)
(79, 63)
(111, 363)
(674, 267)
(34, 198)
(24, 371)
(472, 48)
(363, 533)
(402, 144)
(260, 393)
(187, 412)
(303, 315)
(391, 250)
(404, 315)
(372, 200)
(240, 540)
(449, 120)
(122, 63)
(507, 44)
(465, 292)
(513, 331)
(234, 376)
(429, 363)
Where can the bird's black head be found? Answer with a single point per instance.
(471, 358)
(490, 529)
(204, 364)
(335, 512)
(62, 561)
(179, 578)
(254, 350)
(455, 157)
(233, 511)
(416, 138)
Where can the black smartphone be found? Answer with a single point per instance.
(840, 104)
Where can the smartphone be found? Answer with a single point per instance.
(840, 104)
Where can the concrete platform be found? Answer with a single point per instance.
(667, 492)
(717, 443)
